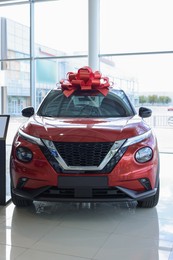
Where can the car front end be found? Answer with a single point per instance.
(85, 153)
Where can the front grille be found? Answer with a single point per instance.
(83, 154)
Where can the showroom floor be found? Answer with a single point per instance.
(50, 231)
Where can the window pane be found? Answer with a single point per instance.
(62, 25)
(136, 26)
(50, 71)
(148, 81)
(14, 31)
(16, 79)
(7, 2)
(149, 73)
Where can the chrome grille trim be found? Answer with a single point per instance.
(115, 147)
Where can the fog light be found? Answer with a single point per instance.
(24, 179)
(146, 183)
(24, 154)
(144, 154)
(21, 182)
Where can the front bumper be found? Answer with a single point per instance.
(84, 194)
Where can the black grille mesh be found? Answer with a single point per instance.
(83, 154)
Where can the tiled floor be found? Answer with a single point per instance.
(51, 231)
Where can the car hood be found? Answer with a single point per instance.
(84, 130)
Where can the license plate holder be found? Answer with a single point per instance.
(82, 181)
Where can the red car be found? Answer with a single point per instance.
(85, 143)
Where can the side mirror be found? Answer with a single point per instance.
(28, 111)
(145, 112)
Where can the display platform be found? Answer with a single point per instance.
(4, 168)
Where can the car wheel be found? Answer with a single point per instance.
(19, 201)
(151, 201)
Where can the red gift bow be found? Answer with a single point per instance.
(84, 79)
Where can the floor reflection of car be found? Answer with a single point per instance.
(86, 143)
(170, 121)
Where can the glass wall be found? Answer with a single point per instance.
(130, 34)
(49, 72)
(136, 43)
(135, 26)
(63, 26)
(15, 22)
(42, 40)
(33, 44)
(15, 54)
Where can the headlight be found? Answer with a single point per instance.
(144, 154)
(137, 139)
(24, 154)
(30, 138)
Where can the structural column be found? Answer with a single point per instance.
(94, 33)
(32, 61)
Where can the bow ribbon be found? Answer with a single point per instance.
(84, 79)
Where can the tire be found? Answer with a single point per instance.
(19, 201)
(151, 201)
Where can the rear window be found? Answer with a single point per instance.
(86, 104)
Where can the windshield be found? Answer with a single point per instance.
(86, 104)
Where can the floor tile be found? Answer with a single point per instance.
(10, 252)
(171, 255)
(98, 217)
(42, 255)
(139, 227)
(166, 230)
(25, 227)
(72, 241)
(133, 248)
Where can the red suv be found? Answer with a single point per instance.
(85, 143)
